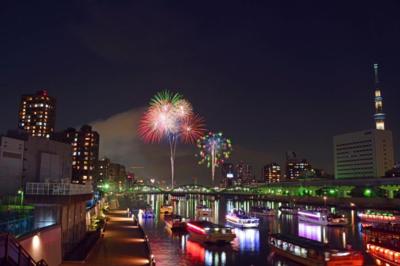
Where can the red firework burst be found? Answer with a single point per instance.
(192, 128)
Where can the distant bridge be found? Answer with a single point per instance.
(368, 187)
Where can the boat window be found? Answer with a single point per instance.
(297, 250)
(303, 252)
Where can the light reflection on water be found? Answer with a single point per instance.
(250, 246)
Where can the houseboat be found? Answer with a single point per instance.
(384, 254)
(146, 213)
(203, 211)
(312, 253)
(322, 217)
(288, 210)
(379, 216)
(204, 231)
(175, 222)
(166, 209)
(262, 211)
(238, 217)
(383, 242)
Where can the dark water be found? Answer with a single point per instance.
(250, 246)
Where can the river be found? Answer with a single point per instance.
(250, 246)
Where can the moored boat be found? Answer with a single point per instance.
(384, 255)
(383, 243)
(175, 222)
(379, 216)
(166, 209)
(238, 217)
(262, 211)
(313, 253)
(205, 231)
(146, 213)
(203, 210)
(288, 210)
(322, 217)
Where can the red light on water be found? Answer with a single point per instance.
(196, 228)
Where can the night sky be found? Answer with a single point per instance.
(273, 76)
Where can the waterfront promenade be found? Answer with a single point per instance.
(123, 244)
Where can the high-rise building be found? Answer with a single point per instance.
(37, 114)
(244, 173)
(103, 170)
(379, 116)
(117, 172)
(85, 152)
(295, 167)
(367, 153)
(228, 174)
(271, 173)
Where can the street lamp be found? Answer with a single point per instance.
(325, 198)
(21, 194)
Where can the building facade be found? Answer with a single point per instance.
(296, 168)
(24, 158)
(367, 153)
(244, 173)
(47, 161)
(228, 174)
(272, 173)
(11, 165)
(37, 114)
(85, 152)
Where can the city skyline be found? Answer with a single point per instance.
(266, 106)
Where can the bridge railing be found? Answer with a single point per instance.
(57, 189)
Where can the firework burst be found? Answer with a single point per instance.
(214, 149)
(170, 117)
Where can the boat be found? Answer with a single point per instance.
(288, 210)
(166, 209)
(379, 216)
(383, 243)
(322, 217)
(175, 222)
(146, 213)
(384, 255)
(239, 218)
(203, 210)
(207, 232)
(382, 228)
(262, 211)
(312, 253)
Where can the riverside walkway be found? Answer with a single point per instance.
(123, 244)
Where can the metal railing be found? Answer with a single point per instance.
(12, 253)
(57, 189)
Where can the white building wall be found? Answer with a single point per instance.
(367, 153)
(47, 160)
(11, 165)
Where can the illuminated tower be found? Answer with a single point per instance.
(379, 116)
(37, 114)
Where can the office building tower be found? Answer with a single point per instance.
(366, 153)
